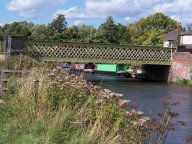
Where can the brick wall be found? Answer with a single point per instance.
(181, 66)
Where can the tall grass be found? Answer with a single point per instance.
(54, 110)
(52, 106)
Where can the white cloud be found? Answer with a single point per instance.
(78, 22)
(177, 9)
(29, 8)
(74, 13)
(127, 18)
(128, 10)
(119, 8)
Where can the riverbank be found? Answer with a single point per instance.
(187, 83)
(53, 106)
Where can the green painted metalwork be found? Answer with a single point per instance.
(99, 53)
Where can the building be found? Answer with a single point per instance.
(185, 42)
(170, 39)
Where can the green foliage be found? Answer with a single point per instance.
(87, 33)
(159, 21)
(146, 31)
(59, 24)
(139, 31)
(108, 31)
(185, 82)
(73, 33)
(18, 29)
(151, 30)
(123, 35)
(52, 111)
(53, 106)
(155, 38)
(40, 32)
(19, 63)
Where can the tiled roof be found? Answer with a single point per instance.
(187, 33)
(172, 36)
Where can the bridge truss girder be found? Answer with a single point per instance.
(99, 53)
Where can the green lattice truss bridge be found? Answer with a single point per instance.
(99, 53)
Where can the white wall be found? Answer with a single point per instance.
(186, 40)
(166, 44)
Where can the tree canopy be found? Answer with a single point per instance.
(146, 31)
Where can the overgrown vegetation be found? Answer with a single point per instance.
(53, 106)
(20, 62)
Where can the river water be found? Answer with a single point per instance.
(149, 96)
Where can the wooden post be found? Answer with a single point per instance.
(1, 83)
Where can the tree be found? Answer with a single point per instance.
(87, 33)
(18, 29)
(108, 31)
(159, 21)
(139, 31)
(155, 38)
(59, 24)
(73, 33)
(123, 35)
(40, 33)
(151, 30)
(57, 28)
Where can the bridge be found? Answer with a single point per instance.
(99, 53)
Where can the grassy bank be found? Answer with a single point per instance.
(53, 106)
(184, 82)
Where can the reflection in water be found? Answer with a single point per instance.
(149, 96)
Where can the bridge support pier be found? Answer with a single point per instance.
(157, 72)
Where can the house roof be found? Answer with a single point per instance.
(186, 33)
(172, 36)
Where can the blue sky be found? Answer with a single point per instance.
(93, 12)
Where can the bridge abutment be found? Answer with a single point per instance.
(181, 67)
(157, 72)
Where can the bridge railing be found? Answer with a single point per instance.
(100, 53)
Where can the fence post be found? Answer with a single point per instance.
(1, 46)
(1, 83)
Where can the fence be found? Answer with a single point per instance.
(5, 79)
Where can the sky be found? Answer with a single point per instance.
(92, 12)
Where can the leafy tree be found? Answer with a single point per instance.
(57, 28)
(108, 31)
(18, 29)
(87, 33)
(123, 35)
(155, 38)
(151, 30)
(73, 33)
(139, 31)
(40, 33)
(159, 21)
(59, 24)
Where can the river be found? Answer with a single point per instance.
(149, 96)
